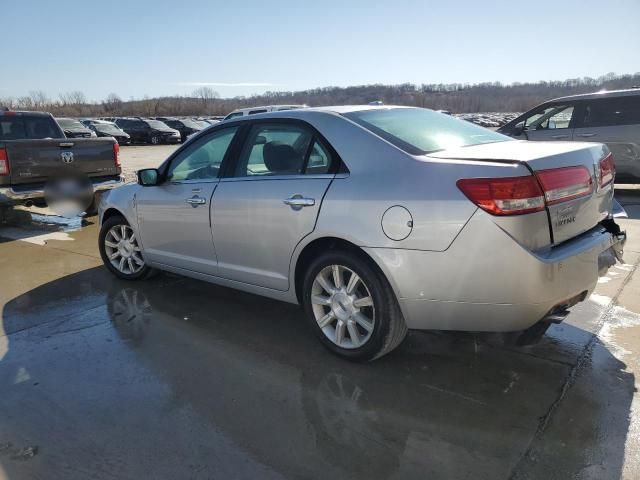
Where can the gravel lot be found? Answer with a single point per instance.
(135, 157)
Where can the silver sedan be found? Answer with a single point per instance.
(376, 220)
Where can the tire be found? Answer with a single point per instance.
(127, 251)
(155, 140)
(369, 311)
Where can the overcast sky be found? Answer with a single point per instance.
(161, 47)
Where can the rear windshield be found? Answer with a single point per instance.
(107, 128)
(418, 131)
(21, 127)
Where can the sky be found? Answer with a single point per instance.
(140, 48)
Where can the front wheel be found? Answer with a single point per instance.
(120, 250)
(351, 307)
(155, 139)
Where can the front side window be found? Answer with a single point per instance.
(202, 160)
(274, 149)
(612, 111)
(550, 118)
(418, 131)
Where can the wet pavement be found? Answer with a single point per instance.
(176, 378)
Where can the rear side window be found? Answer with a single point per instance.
(612, 111)
(282, 149)
(260, 110)
(21, 127)
(233, 115)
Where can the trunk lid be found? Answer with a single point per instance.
(34, 161)
(567, 219)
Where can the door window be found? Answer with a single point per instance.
(612, 111)
(202, 160)
(281, 149)
(550, 118)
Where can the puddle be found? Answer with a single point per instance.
(39, 227)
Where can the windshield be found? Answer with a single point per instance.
(157, 124)
(107, 128)
(69, 123)
(418, 131)
(192, 124)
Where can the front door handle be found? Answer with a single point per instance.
(195, 201)
(298, 201)
(585, 135)
(558, 137)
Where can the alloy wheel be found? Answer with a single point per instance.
(122, 249)
(343, 306)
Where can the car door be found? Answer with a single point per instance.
(616, 122)
(269, 201)
(550, 122)
(174, 216)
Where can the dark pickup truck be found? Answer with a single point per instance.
(34, 149)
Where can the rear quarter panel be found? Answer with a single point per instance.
(382, 176)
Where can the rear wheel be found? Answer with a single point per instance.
(120, 250)
(351, 307)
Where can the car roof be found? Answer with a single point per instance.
(602, 93)
(302, 112)
(23, 113)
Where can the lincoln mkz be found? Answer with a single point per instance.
(376, 220)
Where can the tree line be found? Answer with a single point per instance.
(455, 97)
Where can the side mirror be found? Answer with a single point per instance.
(148, 177)
(518, 129)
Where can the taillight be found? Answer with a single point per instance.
(563, 184)
(607, 170)
(519, 195)
(4, 162)
(116, 154)
(504, 196)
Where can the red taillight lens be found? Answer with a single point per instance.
(607, 170)
(504, 196)
(4, 162)
(116, 154)
(562, 184)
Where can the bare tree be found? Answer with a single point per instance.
(112, 104)
(207, 96)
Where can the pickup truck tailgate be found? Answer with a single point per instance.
(569, 215)
(34, 161)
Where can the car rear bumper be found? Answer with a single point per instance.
(487, 282)
(13, 195)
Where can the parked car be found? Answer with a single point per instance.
(185, 126)
(375, 219)
(108, 129)
(148, 131)
(34, 149)
(611, 117)
(74, 129)
(268, 108)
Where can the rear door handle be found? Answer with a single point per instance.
(585, 135)
(298, 201)
(560, 136)
(195, 201)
